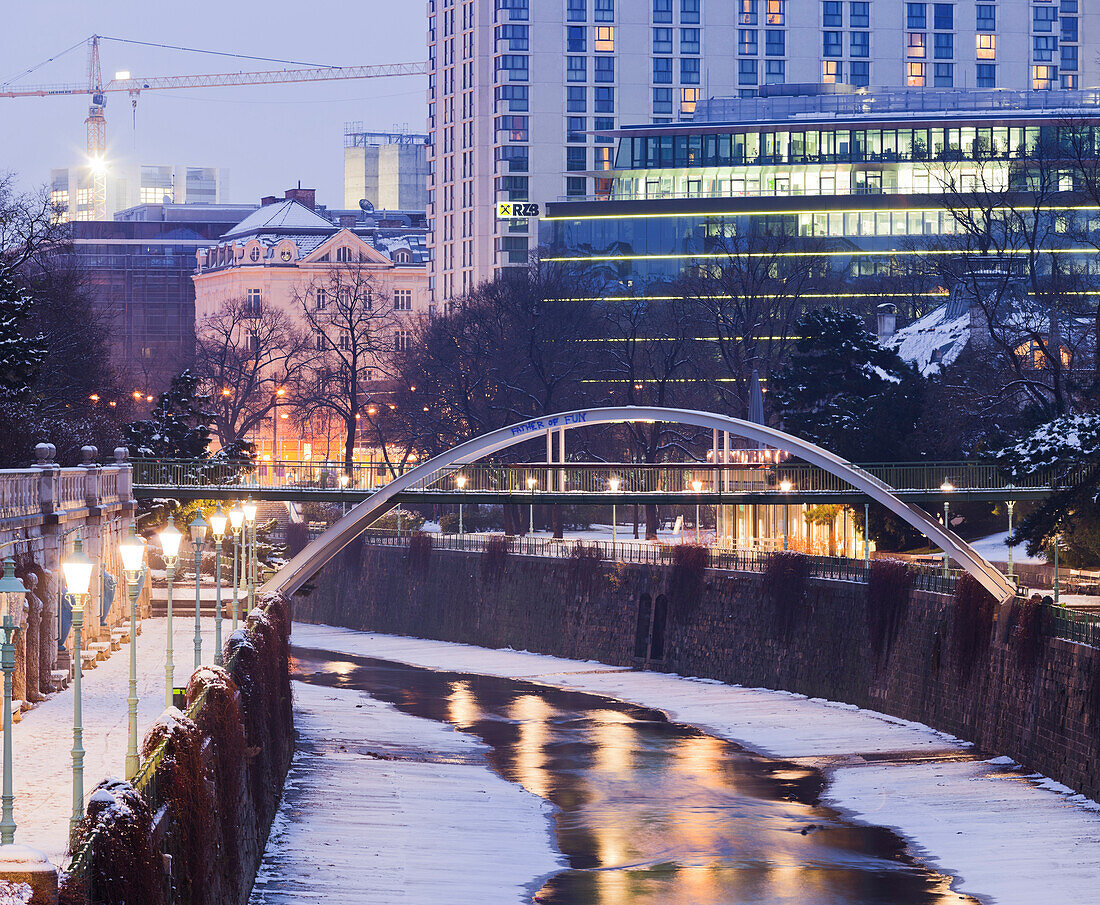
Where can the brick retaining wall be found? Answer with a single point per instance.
(1046, 717)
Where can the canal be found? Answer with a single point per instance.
(649, 811)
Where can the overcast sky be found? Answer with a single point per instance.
(269, 137)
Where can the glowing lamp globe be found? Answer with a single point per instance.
(236, 517)
(170, 537)
(78, 568)
(132, 551)
(218, 522)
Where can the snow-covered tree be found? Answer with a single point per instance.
(1067, 451)
(844, 391)
(21, 350)
(179, 426)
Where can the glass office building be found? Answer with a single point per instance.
(862, 180)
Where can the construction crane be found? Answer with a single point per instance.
(96, 122)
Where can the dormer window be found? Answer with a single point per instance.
(254, 255)
(343, 254)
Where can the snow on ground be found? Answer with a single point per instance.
(1009, 839)
(42, 743)
(431, 822)
(995, 549)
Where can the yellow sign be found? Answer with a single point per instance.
(516, 210)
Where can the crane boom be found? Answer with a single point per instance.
(224, 79)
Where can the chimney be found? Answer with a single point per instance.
(307, 197)
(347, 221)
(887, 323)
(267, 199)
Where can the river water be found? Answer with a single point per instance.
(651, 812)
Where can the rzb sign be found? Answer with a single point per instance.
(512, 210)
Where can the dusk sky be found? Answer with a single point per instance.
(269, 137)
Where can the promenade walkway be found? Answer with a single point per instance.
(42, 742)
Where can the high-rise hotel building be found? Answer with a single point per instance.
(519, 90)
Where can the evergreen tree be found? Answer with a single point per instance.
(21, 354)
(179, 426)
(845, 392)
(1068, 446)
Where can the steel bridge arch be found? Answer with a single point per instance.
(306, 563)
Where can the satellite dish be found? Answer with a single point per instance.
(366, 206)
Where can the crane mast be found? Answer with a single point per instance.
(95, 127)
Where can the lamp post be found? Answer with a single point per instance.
(531, 526)
(249, 562)
(460, 482)
(946, 487)
(236, 520)
(1057, 537)
(132, 551)
(613, 484)
(10, 586)
(218, 522)
(344, 480)
(78, 576)
(279, 394)
(785, 485)
(170, 537)
(1011, 506)
(697, 486)
(198, 528)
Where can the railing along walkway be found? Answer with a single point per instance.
(793, 481)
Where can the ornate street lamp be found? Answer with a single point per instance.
(132, 551)
(218, 522)
(170, 537)
(614, 483)
(198, 528)
(78, 569)
(460, 482)
(12, 594)
(249, 508)
(946, 487)
(531, 527)
(697, 486)
(236, 520)
(785, 486)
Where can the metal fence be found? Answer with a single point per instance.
(793, 478)
(1073, 625)
(926, 578)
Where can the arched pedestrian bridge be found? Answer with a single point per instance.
(851, 482)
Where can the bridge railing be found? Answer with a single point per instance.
(595, 478)
(926, 577)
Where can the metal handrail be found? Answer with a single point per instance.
(573, 477)
(839, 568)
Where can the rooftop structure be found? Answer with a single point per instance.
(385, 169)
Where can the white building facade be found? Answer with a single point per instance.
(518, 89)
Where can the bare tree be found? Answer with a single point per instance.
(354, 331)
(30, 225)
(244, 355)
(752, 295)
(1006, 246)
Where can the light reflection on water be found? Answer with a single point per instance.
(651, 812)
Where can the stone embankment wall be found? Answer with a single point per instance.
(1024, 694)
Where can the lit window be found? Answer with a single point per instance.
(915, 74)
(987, 47)
(917, 45)
(605, 39)
(775, 12)
(1042, 77)
(748, 12)
(831, 72)
(689, 97)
